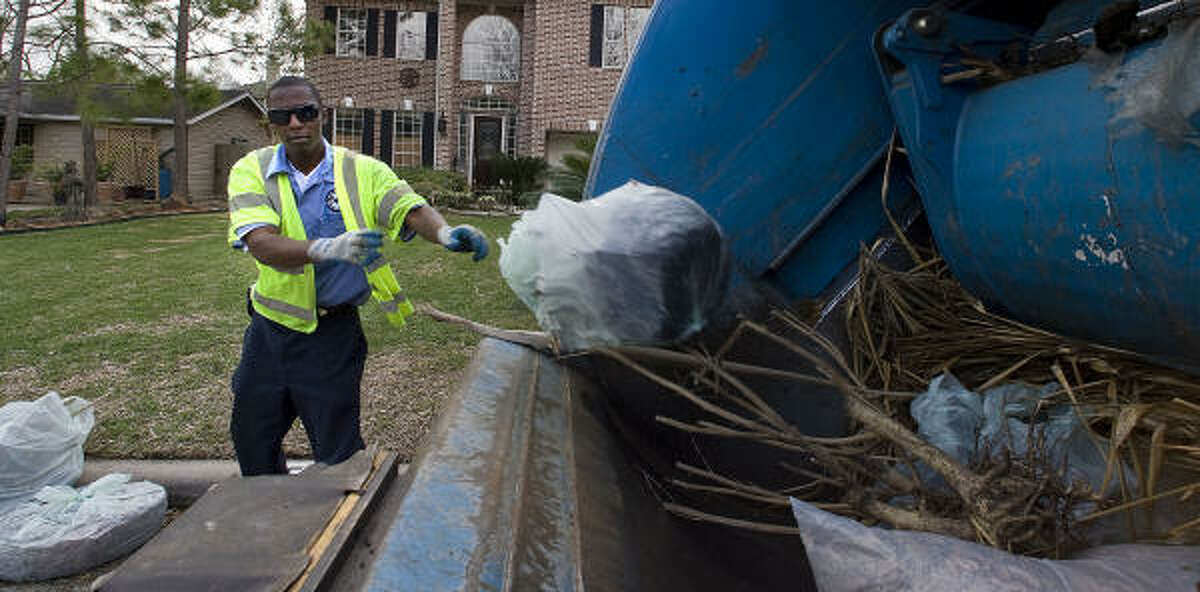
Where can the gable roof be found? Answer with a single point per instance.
(47, 106)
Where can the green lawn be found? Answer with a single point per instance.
(145, 319)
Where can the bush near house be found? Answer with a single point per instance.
(428, 182)
(519, 175)
(22, 161)
(457, 200)
(569, 179)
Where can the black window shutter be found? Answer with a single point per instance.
(327, 126)
(595, 50)
(389, 34)
(372, 31)
(368, 143)
(387, 130)
(331, 18)
(431, 35)
(427, 139)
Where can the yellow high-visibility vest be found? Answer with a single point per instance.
(369, 195)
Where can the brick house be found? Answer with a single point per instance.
(135, 146)
(449, 83)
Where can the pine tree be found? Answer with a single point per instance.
(188, 30)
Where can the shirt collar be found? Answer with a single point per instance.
(281, 164)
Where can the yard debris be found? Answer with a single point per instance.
(906, 328)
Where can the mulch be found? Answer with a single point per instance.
(111, 214)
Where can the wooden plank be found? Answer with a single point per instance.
(330, 547)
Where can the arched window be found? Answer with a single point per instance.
(491, 50)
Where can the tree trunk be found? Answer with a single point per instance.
(87, 131)
(12, 114)
(180, 189)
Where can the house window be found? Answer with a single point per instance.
(491, 50)
(622, 28)
(348, 128)
(351, 32)
(407, 145)
(24, 133)
(410, 35)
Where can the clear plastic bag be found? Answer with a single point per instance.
(1159, 88)
(63, 531)
(847, 556)
(964, 424)
(41, 443)
(637, 265)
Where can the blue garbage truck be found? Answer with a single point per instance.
(1049, 148)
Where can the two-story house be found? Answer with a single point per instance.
(451, 83)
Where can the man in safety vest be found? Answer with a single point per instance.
(314, 217)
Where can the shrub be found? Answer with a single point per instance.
(459, 200)
(569, 179)
(427, 181)
(519, 174)
(529, 199)
(485, 202)
(104, 171)
(22, 161)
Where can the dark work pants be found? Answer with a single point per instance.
(284, 374)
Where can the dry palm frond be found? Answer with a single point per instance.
(906, 327)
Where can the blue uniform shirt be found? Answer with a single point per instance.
(337, 282)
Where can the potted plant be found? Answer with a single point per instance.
(22, 163)
(53, 176)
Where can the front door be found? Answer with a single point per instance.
(488, 134)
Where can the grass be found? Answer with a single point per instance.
(145, 319)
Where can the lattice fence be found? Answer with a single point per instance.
(133, 154)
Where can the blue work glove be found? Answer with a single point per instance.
(463, 238)
(356, 246)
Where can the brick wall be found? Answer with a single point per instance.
(236, 121)
(373, 82)
(567, 91)
(557, 90)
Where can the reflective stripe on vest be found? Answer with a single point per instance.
(248, 200)
(294, 287)
(283, 307)
(379, 275)
(350, 176)
(383, 216)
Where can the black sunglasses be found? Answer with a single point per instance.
(304, 113)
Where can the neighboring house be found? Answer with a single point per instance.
(135, 148)
(450, 83)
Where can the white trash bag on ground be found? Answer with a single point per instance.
(847, 556)
(63, 531)
(41, 443)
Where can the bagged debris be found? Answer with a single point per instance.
(63, 531)
(1009, 419)
(1159, 88)
(847, 556)
(637, 265)
(41, 443)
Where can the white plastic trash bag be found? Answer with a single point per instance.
(63, 531)
(847, 556)
(637, 265)
(41, 443)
